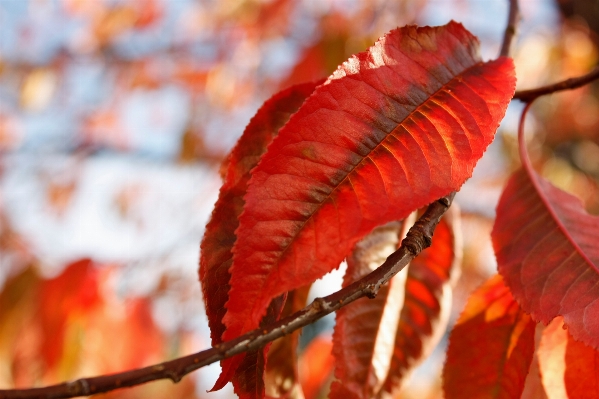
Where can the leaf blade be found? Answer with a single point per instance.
(545, 244)
(314, 183)
(494, 328)
(216, 246)
(361, 349)
(427, 303)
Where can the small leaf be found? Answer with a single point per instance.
(247, 370)
(377, 342)
(547, 252)
(393, 129)
(490, 347)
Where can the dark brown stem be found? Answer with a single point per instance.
(568, 84)
(418, 238)
(511, 28)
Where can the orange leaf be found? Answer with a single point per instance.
(490, 347)
(377, 342)
(316, 366)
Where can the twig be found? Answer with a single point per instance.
(511, 28)
(418, 238)
(568, 84)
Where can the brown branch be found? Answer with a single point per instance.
(511, 28)
(568, 84)
(418, 238)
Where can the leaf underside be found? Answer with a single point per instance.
(377, 342)
(547, 252)
(427, 303)
(392, 130)
(281, 374)
(490, 347)
(364, 329)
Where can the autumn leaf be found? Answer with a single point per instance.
(393, 129)
(215, 256)
(490, 347)
(546, 249)
(248, 370)
(570, 369)
(17, 304)
(365, 329)
(427, 303)
(281, 374)
(378, 341)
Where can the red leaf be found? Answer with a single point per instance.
(247, 371)
(215, 256)
(392, 129)
(281, 374)
(365, 329)
(582, 370)
(378, 341)
(427, 302)
(491, 346)
(570, 369)
(546, 249)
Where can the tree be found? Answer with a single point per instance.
(417, 110)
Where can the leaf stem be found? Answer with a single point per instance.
(418, 238)
(511, 28)
(528, 96)
(521, 142)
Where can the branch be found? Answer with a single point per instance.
(418, 238)
(513, 21)
(528, 96)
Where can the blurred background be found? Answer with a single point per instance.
(116, 114)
